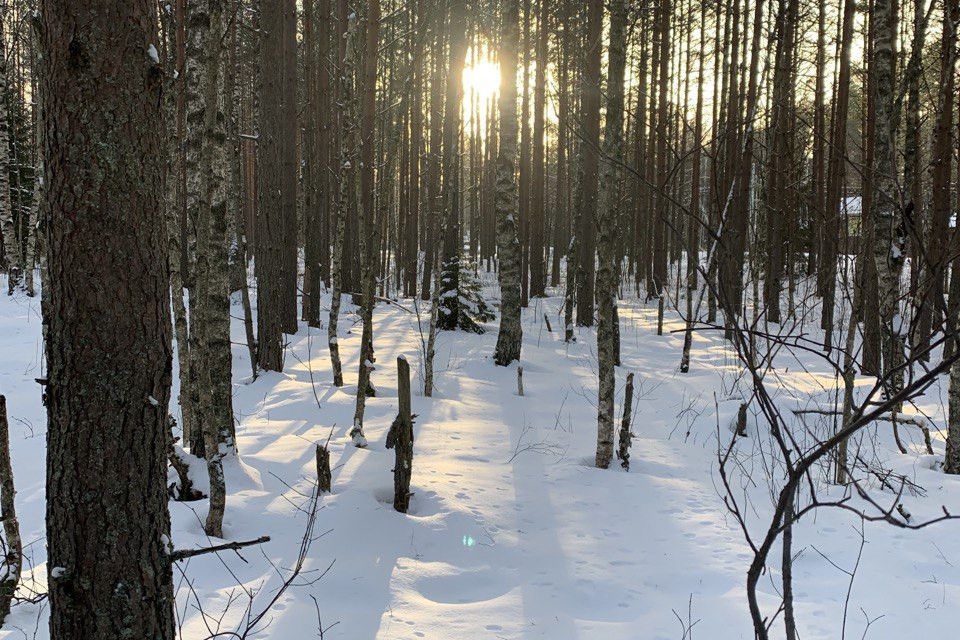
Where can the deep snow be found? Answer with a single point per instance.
(512, 533)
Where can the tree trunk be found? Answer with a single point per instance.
(347, 133)
(109, 350)
(400, 438)
(538, 172)
(606, 288)
(211, 307)
(888, 230)
(7, 227)
(13, 545)
(449, 310)
(588, 188)
(510, 337)
(275, 146)
(369, 236)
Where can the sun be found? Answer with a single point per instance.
(482, 79)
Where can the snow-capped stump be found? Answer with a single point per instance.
(400, 438)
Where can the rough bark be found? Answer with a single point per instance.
(7, 226)
(538, 170)
(625, 436)
(400, 438)
(588, 188)
(272, 238)
(449, 310)
(109, 350)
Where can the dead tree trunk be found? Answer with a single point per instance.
(400, 438)
(626, 437)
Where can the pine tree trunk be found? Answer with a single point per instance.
(449, 310)
(539, 161)
(272, 237)
(8, 232)
(589, 182)
(108, 527)
(313, 171)
(936, 245)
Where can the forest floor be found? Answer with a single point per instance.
(512, 533)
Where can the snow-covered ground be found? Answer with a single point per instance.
(512, 533)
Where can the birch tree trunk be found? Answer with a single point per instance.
(174, 194)
(13, 545)
(212, 288)
(347, 132)
(510, 336)
(607, 224)
(888, 230)
(369, 234)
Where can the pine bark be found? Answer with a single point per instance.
(539, 161)
(589, 170)
(275, 145)
(109, 350)
(7, 227)
(935, 249)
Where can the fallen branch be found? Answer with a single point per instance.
(183, 554)
(899, 419)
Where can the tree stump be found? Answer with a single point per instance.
(519, 381)
(400, 438)
(623, 450)
(324, 477)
